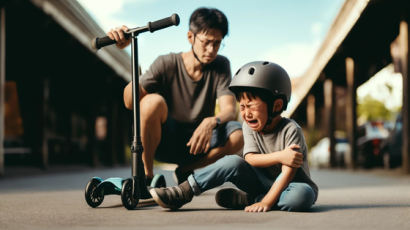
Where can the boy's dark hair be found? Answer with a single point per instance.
(264, 95)
(203, 19)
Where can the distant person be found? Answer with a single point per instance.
(273, 173)
(177, 99)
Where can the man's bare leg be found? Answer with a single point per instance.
(153, 113)
(232, 146)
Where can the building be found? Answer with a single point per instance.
(60, 101)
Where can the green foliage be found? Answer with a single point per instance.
(370, 109)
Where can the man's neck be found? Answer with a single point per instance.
(192, 65)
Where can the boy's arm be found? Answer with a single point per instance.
(289, 156)
(273, 195)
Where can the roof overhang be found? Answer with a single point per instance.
(340, 28)
(73, 18)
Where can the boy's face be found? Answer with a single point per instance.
(253, 112)
(206, 44)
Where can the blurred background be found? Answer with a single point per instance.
(61, 102)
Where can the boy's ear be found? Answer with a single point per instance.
(277, 105)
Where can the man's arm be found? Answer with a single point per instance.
(128, 95)
(289, 156)
(227, 109)
(117, 34)
(273, 195)
(201, 139)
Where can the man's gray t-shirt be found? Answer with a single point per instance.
(286, 133)
(188, 101)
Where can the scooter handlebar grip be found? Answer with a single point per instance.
(98, 43)
(163, 23)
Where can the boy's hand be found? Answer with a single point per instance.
(117, 34)
(291, 156)
(258, 207)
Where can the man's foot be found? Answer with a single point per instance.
(145, 192)
(180, 176)
(173, 197)
(232, 198)
(148, 181)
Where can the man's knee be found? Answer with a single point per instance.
(153, 106)
(236, 140)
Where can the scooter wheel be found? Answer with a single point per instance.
(158, 181)
(93, 197)
(128, 199)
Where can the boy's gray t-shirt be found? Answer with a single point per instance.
(286, 133)
(188, 101)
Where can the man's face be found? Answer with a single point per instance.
(253, 112)
(206, 44)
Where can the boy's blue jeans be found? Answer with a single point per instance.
(296, 197)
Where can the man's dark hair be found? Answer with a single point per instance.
(204, 19)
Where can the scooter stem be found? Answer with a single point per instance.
(138, 173)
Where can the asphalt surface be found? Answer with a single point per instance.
(347, 200)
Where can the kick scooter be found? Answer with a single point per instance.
(135, 188)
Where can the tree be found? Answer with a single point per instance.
(369, 109)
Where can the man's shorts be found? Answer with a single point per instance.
(175, 135)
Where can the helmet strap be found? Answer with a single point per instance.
(274, 114)
(196, 56)
(271, 114)
(269, 106)
(270, 118)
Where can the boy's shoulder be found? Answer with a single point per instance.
(287, 124)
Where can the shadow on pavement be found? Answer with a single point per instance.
(331, 207)
(199, 209)
(111, 206)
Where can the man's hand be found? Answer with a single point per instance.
(258, 207)
(291, 156)
(117, 34)
(201, 139)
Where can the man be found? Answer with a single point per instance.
(177, 100)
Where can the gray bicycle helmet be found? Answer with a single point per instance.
(263, 75)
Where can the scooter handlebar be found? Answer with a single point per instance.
(100, 42)
(163, 23)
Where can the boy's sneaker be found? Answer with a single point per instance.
(179, 176)
(232, 198)
(173, 197)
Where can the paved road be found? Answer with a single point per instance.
(347, 200)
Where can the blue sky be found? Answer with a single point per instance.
(287, 32)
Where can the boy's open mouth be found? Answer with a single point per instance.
(252, 122)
